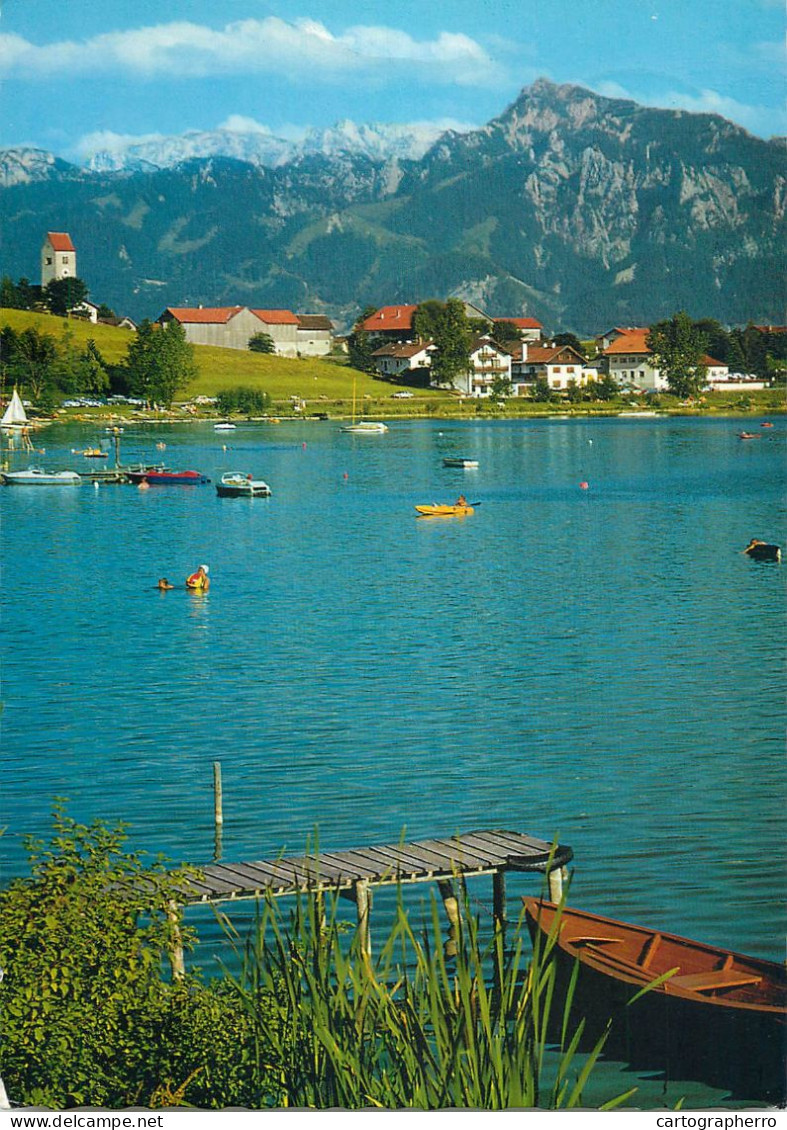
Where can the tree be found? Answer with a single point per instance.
(503, 331)
(541, 389)
(427, 317)
(104, 311)
(569, 339)
(92, 375)
(262, 343)
(62, 295)
(160, 362)
(452, 344)
(678, 348)
(34, 361)
(500, 388)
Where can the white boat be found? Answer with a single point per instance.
(234, 484)
(224, 427)
(364, 427)
(14, 415)
(468, 464)
(37, 477)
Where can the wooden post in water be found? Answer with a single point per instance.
(363, 904)
(218, 810)
(176, 961)
(555, 880)
(451, 904)
(499, 899)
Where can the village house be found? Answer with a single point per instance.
(489, 362)
(395, 323)
(631, 364)
(403, 357)
(87, 310)
(558, 365)
(314, 335)
(231, 327)
(530, 329)
(58, 257)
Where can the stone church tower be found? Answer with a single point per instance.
(58, 257)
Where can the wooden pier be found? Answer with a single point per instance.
(352, 873)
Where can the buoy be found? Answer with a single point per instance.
(584, 486)
(303, 445)
(345, 475)
(144, 485)
(590, 442)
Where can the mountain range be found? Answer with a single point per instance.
(580, 210)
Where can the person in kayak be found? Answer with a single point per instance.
(199, 580)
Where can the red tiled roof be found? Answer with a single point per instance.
(522, 323)
(632, 341)
(711, 361)
(401, 349)
(203, 314)
(60, 241)
(277, 317)
(544, 354)
(390, 318)
(314, 322)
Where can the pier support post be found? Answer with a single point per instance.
(451, 904)
(499, 899)
(218, 810)
(555, 879)
(176, 961)
(363, 904)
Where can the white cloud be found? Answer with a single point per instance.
(761, 120)
(303, 48)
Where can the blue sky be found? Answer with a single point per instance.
(72, 75)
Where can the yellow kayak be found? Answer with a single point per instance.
(437, 511)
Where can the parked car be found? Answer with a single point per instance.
(402, 394)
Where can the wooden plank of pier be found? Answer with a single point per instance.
(353, 872)
(410, 861)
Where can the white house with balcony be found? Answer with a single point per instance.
(558, 365)
(489, 362)
(403, 357)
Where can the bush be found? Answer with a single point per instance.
(87, 1017)
(243, 399)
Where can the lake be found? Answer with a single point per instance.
(601, 666)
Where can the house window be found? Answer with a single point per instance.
(570, 369)
(65, 260)
(49, 260)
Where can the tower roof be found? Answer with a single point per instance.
(60, 240)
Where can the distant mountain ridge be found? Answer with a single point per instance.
(580, 210)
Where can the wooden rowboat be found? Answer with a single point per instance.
(713, 1015)
(437, 511)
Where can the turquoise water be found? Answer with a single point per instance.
(602, 666)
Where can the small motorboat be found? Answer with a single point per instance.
(749, 435)
(766, 424)
(705, 1013)
(162, 476)
(435, 510)
(224, 426)
(468, 464)
(91, 453)
(37, 477)
(763, 551)
(234, 484)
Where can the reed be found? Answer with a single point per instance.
(411, 1029)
